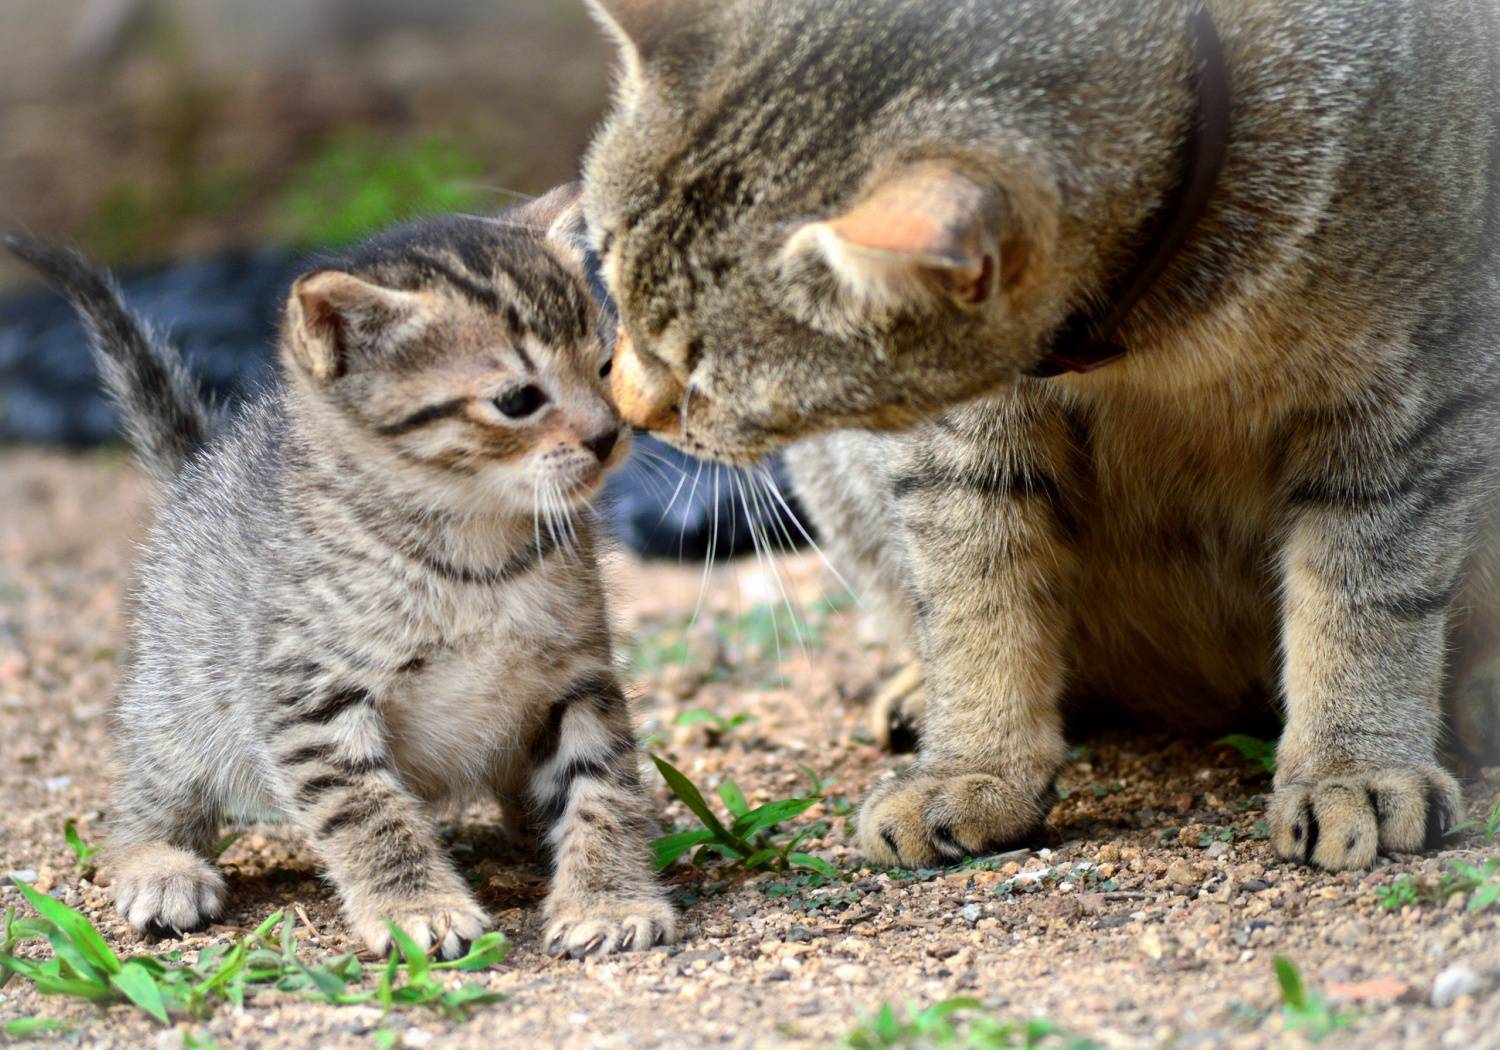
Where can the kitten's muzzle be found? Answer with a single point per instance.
(601, 445)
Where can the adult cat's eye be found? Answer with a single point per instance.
(521, 402)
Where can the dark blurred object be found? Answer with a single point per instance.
(222, 314)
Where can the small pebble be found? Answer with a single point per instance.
(1453, 982)
(779, 974)
(970, 912)
(24, 875)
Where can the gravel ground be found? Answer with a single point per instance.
(1148, 916)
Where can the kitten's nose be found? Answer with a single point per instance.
(603, 444)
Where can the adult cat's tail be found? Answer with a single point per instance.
(164, 414)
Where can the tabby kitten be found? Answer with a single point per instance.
(863, 225)
(375, 589)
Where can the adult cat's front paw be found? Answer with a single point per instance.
(896, 711)
(452, 920)
(596, 926)
(1344, 821)
(921, 819)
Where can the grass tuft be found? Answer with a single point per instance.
(83, 966)
(748, 839)
(957, 1023)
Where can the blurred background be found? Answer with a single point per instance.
(203, 147)
(159, 129)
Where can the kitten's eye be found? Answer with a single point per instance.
(521, 402)
(608, 367)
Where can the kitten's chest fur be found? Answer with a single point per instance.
(474, 691)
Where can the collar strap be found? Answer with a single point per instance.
(1086, 341)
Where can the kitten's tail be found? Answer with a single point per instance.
(165, 416)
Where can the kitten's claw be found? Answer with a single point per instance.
(164, 891)
(921, 819)
(453, 925)
(633, 926)
(1341, 822)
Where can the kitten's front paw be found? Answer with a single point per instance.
(164, 891)
(1340, 822)
(896, 711)
(920, 819)
(454, 921)
(598, 927)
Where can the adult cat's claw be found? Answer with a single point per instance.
(896, 711)
(920, 819)
(1342, 822)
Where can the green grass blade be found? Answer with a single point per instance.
(81, 850)
(139, 985)
(762, 817)
(1292, 990)
(417, 963)
(691, 797)
(28, 1026)
(817, 864)
(734, 799)
(75, 928)
(489, 950)
(760, 858)
(669, 847)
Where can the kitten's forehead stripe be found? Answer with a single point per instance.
(526, 361)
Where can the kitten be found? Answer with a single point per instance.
(876, 226)
(375, 589)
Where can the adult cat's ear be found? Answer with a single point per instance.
(649, 31)
(926, 231)
(333, 317)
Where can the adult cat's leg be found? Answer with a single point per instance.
(1375, 554)
(1474, 698)
(844, 481)
(336, 779)
(984, 508)
(589, 805)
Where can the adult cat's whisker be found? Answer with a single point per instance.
(768, 480)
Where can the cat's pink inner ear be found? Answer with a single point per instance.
(935, 219)
(332, 314)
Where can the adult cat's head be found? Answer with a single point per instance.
(818, 214)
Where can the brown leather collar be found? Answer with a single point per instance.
(1086, 341)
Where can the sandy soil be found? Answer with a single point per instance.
(1139, 935)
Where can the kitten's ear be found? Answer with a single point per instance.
(647, 30)
(925, 230)
(332, 317)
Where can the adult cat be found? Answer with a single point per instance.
(870, 226)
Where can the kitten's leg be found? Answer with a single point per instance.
(338, 784)
(588, 803)
(987, 529)
(162, 828)
(1372, 563)
(843, 481)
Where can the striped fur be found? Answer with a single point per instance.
(372, 592)
(1283, 492)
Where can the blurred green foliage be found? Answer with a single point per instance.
(358, 182)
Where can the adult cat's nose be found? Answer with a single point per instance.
(603, 444)
(646, 396)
